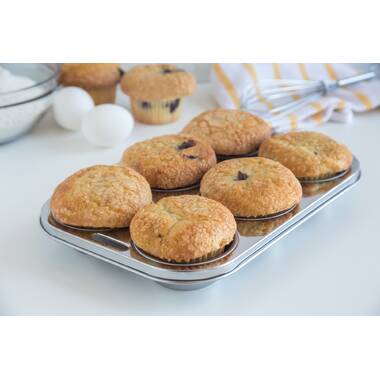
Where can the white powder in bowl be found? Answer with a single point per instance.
(17, 119)
(11, 82)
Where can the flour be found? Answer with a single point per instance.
(11, 82)
(17, 119)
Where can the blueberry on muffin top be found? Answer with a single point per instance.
(252, 187)
(156, 82)
(171, 161)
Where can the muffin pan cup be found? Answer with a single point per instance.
(326, 179)
(114, 246)
(266, 217)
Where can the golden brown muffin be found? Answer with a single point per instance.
(309, 155)
(229, 132)
(156, 92)
(100, 196)
(98, 79)
(183, 228)
(171, 161)
(252, 187)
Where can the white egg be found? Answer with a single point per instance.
(107, 125)
(70, 105)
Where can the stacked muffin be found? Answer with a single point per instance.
(98, 79)
(156, 92)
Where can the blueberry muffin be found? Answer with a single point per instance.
(229, 132)
(252, 187)
(98, 79)
(100, 196)
(171, 161)
(156, 92)
(183, 228)
(309, 155)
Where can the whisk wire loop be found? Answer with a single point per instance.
(274, 99)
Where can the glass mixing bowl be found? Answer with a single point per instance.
(22, 108)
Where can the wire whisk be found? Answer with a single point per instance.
(275, 98)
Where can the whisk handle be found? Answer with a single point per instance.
(350, 80)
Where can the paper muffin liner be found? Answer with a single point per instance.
(207, 256)
(102, 95)
(204, 259)
(158, 112)
(266, 217)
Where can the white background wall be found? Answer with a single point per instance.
(200, 70)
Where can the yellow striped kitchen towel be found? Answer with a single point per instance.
(236, 84)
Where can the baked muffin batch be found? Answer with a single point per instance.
(188, 228)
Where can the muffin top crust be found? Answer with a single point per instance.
(228, 131)
(183, 228)
(89, 75)
(157, 82)
(308, 154)
(252, 187)
(170, 161)
(100, 196)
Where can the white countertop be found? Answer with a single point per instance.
(329, 265)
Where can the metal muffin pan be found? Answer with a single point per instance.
(114, 246)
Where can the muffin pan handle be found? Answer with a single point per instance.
(109, 241)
